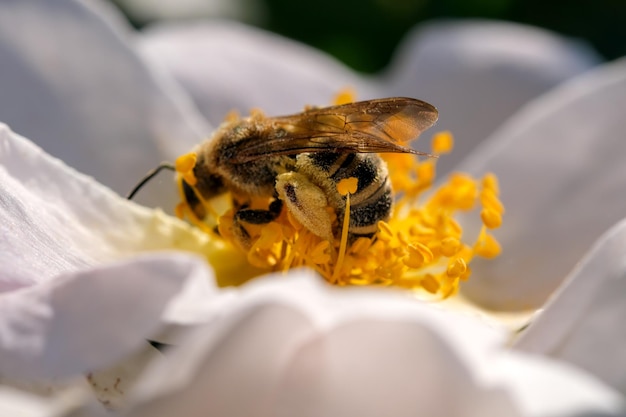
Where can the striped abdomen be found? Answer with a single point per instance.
(373, 199)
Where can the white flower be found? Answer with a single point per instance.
(86, 277)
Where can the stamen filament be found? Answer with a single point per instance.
(345, 187)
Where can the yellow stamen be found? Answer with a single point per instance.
(419, 254)
(426, 172)
(491, 218)
(490, 182)
(430, 284)
(345, 96)
(344, 187)
(385, 231)
(347, 186)
(456, 268)
(489, 199)
(487, 246)
(450, 246)
(184, 166)
(179, 210)
(319, 254)
(443, 142)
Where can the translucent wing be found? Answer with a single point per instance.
(382, 125)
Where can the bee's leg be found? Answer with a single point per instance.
(256, 216)
(306, 202)
(253, 216)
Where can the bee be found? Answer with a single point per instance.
(296, 161)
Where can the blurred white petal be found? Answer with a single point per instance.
(583, 323)
(299, 348)
(71, 403)
(379, 367)
(478, 73)
(543, 387)
(64, 311)
(248, 351)
(560, 167)
(88, 320)
(112, 384)
(72, 84)
(227, 66)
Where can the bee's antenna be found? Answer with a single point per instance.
(149, 176)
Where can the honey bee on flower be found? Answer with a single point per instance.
(311, 189)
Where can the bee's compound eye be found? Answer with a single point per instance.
(306, 202)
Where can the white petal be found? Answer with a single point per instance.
(541, 387)
(259, 344)
(71, 403)
(111, 385)
(327, 305)
(234, 373)
(584, 321)
(379, 367)
(88, 320)
(560, 166)
(71, 83)
(291, 346)
(55, 220)
(228, 66)
(478, 73)
(55, 224)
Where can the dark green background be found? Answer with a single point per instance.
(365, 33)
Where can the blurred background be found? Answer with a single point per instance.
(364, 33)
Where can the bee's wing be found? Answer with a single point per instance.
(382, 125)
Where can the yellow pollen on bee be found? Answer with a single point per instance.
(257, 113)
(232, 116)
